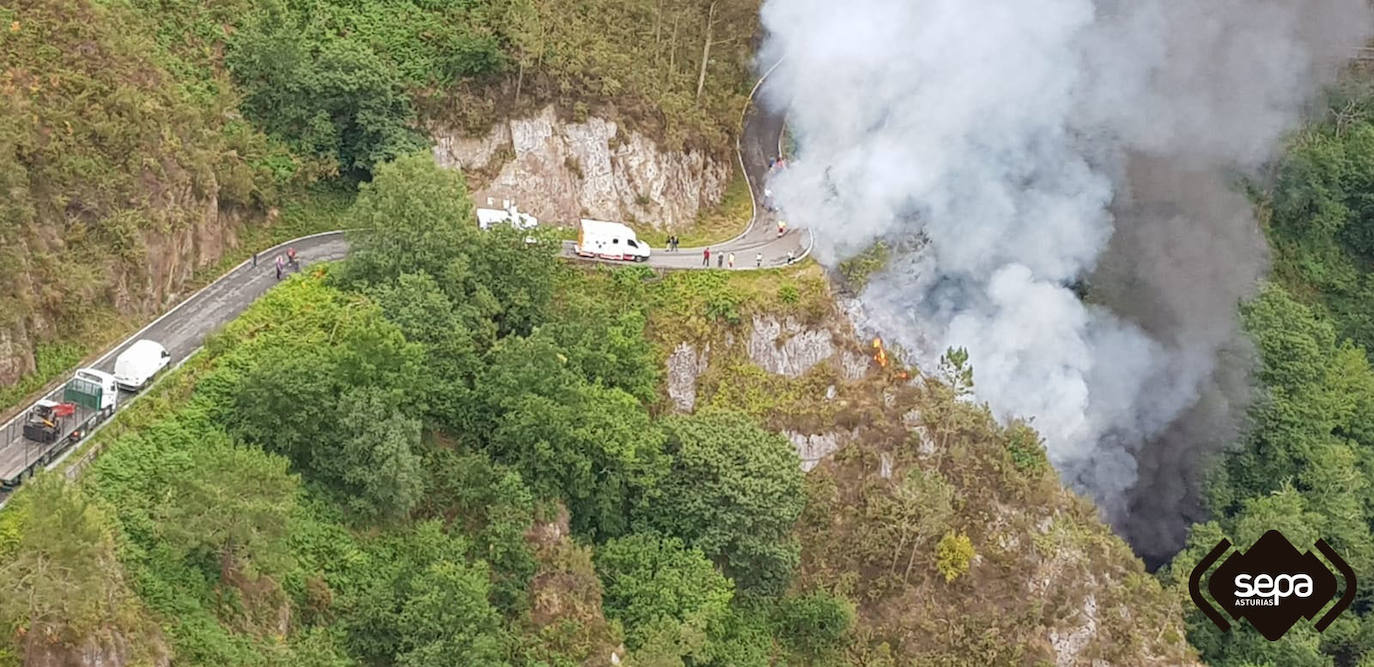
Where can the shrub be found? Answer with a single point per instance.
(953, 555)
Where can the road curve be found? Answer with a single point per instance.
(760, 142)
(183, 329)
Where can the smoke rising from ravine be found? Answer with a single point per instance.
(1038, 144)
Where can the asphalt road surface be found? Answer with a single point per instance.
(760, 141)
(183, 329)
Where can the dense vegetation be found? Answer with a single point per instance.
(452, 449)
(143, 141)
(354, 470)
(1304, 466)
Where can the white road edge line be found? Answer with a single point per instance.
(134, 336)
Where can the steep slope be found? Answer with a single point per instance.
(119, 184)
(371, 465)
(902, 470)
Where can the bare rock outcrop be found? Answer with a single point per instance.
(685, 365)
(799, 350)
(814, 447)
(561, 171)
(177, 230)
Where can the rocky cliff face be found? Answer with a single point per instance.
(561, 171)
(182, 228)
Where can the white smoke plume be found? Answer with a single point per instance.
(1039, 144)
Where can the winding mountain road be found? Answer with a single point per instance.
(183, 329)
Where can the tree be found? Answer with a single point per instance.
(605, 342)
(717, 12)
(662, 590)
(234, 502)
(332, 98)
(595, 448)
(918, 508)
(424, 314)
(61, 578)
(734, 491)
(490, 503)
(516, 268)
(389, 579)
(377, 459)
(414, 217)
(448, 621)
(956, 371)
(814, 622)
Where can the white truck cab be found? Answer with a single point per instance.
(93, 389)
(610, 240)
(138, 364)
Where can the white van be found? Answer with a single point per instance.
(138, 364)
(610, 240)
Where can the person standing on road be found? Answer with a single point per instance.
(279, 267)
(706, 257)
(732, 260)
(720, 261)
(255, 259)
(758, 259)
(789, 256)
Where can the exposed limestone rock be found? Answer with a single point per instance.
(457, 152)
(562, 171)
(854, 365)
(911, 419)
(927, 446)
(684, 367)
(802, 348)
(1067, 646)
(813, 448)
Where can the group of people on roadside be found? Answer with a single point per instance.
(728, 260)
(720, 259)
(283, 261)
(672, 243)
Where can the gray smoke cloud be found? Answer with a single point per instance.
(1034, 145)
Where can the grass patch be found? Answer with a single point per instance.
(52, 359)
(720, 223)
(696, 305)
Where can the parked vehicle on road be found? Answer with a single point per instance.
(137, 365)
(610, 240)
(51, 426)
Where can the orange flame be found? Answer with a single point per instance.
(880, 355)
